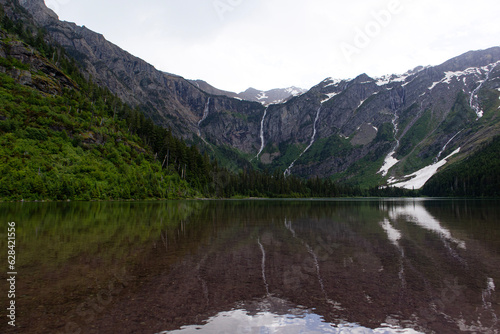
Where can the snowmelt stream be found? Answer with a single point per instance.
(288, 171)
(262, 140)
(205, 115)
(436, 159)
(390, 160)
(474, 99)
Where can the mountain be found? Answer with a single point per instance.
(64, 138)
(273, 96)
(387, 128)
(168, 99)
(396, 129)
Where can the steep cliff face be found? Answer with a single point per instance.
(393, 125)
(32, 70)
(368, 130)
(170, 100)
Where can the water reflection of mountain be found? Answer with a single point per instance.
(333, 257)
(407, 264)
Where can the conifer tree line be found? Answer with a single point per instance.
(213, 180)
(476, 176)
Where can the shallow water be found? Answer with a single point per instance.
(256, 266)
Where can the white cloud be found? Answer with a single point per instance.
(234, 44)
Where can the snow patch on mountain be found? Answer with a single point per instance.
(330, 96)
(387, 79)
(449, 75)
(389, 162)
(294, 91)
(273, 96)
(262, 96)
(361, 103)
(420, 177)
(474, 99)
(333, 82)
(382, 81)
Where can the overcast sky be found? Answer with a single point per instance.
(236, 44)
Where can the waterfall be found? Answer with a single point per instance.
(288, 171)
(205, 115)
(390, 160)
(262, 142)
(436, 159)
(474, 100)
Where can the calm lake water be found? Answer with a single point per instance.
(255, 266)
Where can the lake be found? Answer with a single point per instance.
(255, 266)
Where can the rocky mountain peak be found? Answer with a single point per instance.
(40, 12)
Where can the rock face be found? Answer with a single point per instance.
(368, 130)
(415, 118)
(169, 100)
(39, 73)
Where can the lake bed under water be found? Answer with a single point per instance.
(257, 266)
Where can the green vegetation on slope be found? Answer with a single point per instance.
(63, 137)
(478, 175)
(416, 134)
(327, 147)
(67, 147)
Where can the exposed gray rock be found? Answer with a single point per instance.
(52, 82)
(170, 100)
(338, 126)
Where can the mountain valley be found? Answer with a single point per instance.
(396, 130)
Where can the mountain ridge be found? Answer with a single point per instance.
(272, 96)
(343, 129)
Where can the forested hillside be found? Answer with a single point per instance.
(63, 137)
(476, 176)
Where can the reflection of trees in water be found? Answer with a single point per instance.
(193, 259)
